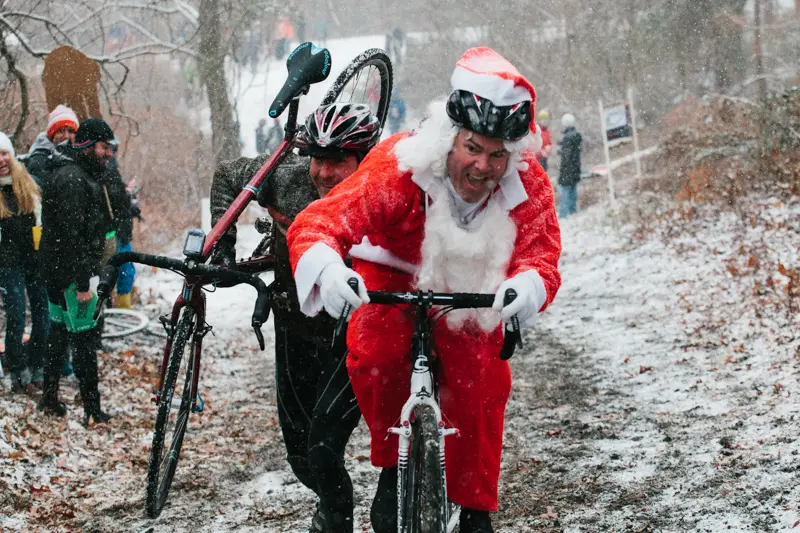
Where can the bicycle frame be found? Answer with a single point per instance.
(192, 293)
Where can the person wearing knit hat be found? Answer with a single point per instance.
(458, 205)
(48, 150)
(569, 171)
(547, 139)
(7, 145)
(76, 211)
(62, 123)
(20, 207)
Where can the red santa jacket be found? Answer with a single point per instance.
(385, 205)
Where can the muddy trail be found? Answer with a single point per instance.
(625, 416)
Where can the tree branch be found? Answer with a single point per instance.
(23, 87)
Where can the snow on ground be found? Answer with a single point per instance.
(658, 393)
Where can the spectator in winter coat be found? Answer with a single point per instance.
(570, 172)
(75, 213)
(547, 139)
(20, 205)
(397, 112)
(62, 124)
(119, 232)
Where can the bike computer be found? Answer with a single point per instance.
(193, 247)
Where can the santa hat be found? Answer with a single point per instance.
(5, 144)
(484, 72)
(61, 117)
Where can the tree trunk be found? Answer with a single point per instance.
(211, 66)
(762, 82)
(728, 34)
(23, 90)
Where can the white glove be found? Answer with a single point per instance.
(531, 296)
(335, 292)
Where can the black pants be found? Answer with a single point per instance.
(318, 412)
(84, 357)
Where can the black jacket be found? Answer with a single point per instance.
(16, 235)
(122, 222)
(43, 158)
(74, 222)
(570, 171)
(286, 192)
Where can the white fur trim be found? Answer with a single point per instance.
(501, 92)
(466, 259)
(427, 147)
(367, 251)
(306, 276)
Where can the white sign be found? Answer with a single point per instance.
(616, 117)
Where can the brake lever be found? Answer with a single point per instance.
(513, 337)
(509, 297)
(340, 322)
(259, 335)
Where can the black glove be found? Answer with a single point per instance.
(224, 253)
(136, 211)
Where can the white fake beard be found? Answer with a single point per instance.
(466, 259)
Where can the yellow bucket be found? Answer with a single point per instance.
(37, 237)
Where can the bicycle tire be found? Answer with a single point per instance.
(374, 57)
(141, 322)
(160, 469)
(425, 501)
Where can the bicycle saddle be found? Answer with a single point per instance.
(307, 64)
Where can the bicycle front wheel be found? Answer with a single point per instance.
(172, 419)
(366, 80)
(425, 500)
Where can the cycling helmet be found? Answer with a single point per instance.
(470, 111)
(338, 130)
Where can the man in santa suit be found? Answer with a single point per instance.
(459, 205)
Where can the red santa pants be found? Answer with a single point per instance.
(474, 385)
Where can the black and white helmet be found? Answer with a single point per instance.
(470, 111)
(338, 130)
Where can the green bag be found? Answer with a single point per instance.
(79, 316)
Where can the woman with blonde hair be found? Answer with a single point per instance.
(20, 212)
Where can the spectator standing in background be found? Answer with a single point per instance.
(570, 172)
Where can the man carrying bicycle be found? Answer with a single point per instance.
(316, 406)
(460, 205)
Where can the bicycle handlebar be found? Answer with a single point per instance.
(108, 279)
(458, 300)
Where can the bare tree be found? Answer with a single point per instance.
(30, 29)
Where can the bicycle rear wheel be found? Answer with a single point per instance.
(171, 420)
(425, 500)
(366, 80)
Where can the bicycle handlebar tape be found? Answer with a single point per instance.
(307, 65)
(108, 279)
(262, 309)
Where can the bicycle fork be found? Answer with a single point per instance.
(421, 394)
